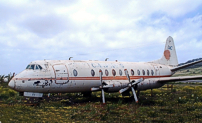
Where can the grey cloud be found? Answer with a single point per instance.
(8, 12)
(47, 26)
(39, 32)
(115, 7)
(60, 3)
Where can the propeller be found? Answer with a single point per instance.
(101, 87)
(131, 85)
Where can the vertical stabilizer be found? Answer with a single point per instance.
(169, 55)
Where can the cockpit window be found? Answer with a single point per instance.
(30, 66)
(40, 67)
(34, 67)
(37, 67)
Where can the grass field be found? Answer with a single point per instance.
(181, 103)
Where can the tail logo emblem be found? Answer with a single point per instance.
(170, 47)
(167, 54)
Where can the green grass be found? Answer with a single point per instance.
(165, 105)
(180, 103)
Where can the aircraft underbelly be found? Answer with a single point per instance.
(74, 86)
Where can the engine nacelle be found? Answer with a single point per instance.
(149, 84)
(144, 85)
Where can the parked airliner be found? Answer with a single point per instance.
(68, 76)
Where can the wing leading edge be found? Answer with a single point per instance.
(160, 79)
(180, 78)
(184, 66)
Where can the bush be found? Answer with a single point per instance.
(5, 93)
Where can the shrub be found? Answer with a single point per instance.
(5, 93)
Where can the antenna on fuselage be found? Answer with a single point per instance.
(70, 58)
(106, 59)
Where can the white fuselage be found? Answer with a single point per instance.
(51, 76)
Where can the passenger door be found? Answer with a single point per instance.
(61, 74)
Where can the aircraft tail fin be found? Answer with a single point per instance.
(169, 56)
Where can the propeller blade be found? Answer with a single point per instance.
(130, 85)
(127, 75)
(123, 90)
(103, 96)
(134, 94)
(138, 81)
(95, 89)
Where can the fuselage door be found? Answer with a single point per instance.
(61, 74)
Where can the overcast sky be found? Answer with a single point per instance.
(123, 30)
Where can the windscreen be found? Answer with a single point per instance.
(34, 67)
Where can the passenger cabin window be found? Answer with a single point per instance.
(132, 72)
(113, 72)
(92, 72)
(106, 72)
(152, 72)
(120, 72)
(138, 72)
(148, 72)
(75, 72)
(143, 72)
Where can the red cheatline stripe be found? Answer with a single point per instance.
(93, 78)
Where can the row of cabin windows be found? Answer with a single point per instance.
(147, 72)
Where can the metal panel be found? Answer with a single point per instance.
(33, 94)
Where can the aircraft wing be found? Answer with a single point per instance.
(160, 79)
(185, 65)
(180, 78)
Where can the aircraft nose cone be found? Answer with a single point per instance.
(11, 84)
